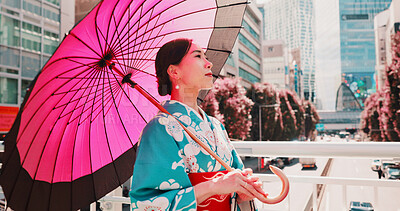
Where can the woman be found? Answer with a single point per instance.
(168, 158)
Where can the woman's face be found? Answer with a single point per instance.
(195, 69)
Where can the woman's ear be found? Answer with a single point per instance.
(173, 72)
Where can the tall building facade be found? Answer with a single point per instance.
(246, 58)
(30, 32)
(293, 21)
(386, 24)
(357, 44)
(275, 63)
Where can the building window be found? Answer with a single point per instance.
(51, 41)
(249, 61)
(32, 6)
(248, 76)
(30, 64)
(248, 28)
(31, 37)
(248, 44)
(270, 49)
(8, 90)
(9, 31)
(230, 61)
(9, 56)
(24, 87)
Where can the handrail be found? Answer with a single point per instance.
(376, 150)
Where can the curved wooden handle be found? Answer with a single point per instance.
(285, 187)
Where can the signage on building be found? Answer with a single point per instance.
(7, 117)
(320, 127)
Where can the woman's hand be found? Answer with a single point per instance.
(242, 182)
(253, 181)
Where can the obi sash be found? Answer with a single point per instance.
(216, 202)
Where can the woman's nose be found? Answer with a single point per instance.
(209, 65)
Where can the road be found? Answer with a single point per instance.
(383, 199)
(299, 192)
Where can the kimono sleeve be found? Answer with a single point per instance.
(160, 181)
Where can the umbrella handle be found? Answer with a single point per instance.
(285, 187)
(275, 170)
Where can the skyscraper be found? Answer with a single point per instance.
(357, 44)
(293, 22)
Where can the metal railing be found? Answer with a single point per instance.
(372, 150)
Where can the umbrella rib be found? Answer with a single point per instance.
(152, 18)
(138, 22)
(167, 21)
(118, 37)
(28, 102)
(83, 96)
(146, 54)
(25, 154)
(105, 130)
(59, 145)
(141, 15)
(41, 154)
(127, 9)
(76, 37)
(41, 104)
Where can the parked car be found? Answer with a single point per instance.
(278, 162)
(308, 162)
(287, 160)
(360, 206)
(392, 172)
(344, 134)
(376, 165)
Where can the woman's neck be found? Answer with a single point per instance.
(187, 96)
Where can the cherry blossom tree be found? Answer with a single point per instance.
(228, 103)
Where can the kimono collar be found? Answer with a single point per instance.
(174, 106)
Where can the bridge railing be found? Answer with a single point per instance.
(349, 150)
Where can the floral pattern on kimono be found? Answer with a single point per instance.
(166, 154)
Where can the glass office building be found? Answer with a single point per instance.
(246, 61)
(357, 44)
(29, 34)
(293, 22)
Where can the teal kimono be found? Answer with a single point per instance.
(166, 154)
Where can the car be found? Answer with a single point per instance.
(308, 162)
(344, 134)
(392, 172)
(287, 160)
(387, 163)
(360, 206)
(376, 165)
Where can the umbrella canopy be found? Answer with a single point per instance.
(74, 138)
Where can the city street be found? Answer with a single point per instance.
(382, 198)
(299, 193)
(385, 199)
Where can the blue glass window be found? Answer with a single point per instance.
(249, 61)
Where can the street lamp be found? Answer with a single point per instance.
(259, 115)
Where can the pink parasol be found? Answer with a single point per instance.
(74, 139)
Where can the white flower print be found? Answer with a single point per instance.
(169, 185)
(172, 127)
(157, 204)
(191, 163)
(181, 162)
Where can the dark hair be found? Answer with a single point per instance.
(171, 52)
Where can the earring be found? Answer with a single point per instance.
(177, 86)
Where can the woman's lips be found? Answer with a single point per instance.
(209, 74)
